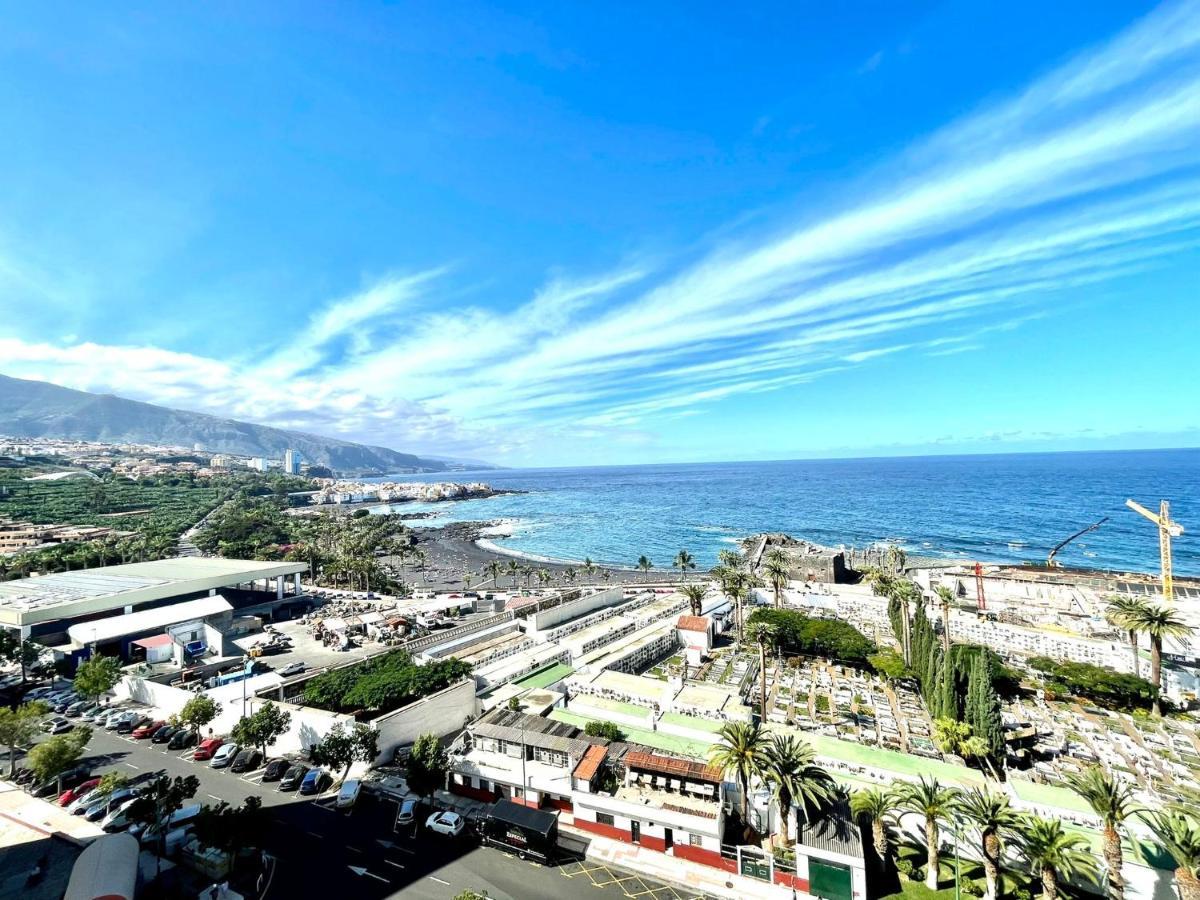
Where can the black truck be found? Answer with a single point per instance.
(524, 831)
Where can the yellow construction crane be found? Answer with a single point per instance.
(1166, 530)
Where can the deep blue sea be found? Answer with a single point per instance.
(1003, 508)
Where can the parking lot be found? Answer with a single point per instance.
(320, 848)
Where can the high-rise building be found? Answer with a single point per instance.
(291, 462)
(258, 464)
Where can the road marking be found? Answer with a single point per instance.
(131, 765)
(314, 834)
(218, 799)
(355, 849)
(396, 864)
(359, 870)
(438, 880)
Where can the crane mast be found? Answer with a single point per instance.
(1166, 530)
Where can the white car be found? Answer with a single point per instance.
(450, 823)
(224, 755)
(118, 819)
(348, 793)
(57, 725)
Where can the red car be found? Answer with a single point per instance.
(69, 796)
(207, 748)
(144, 731)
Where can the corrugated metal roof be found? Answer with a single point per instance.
(834, 832)
(531, 731)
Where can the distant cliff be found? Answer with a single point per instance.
(40, 409)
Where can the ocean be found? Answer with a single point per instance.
(995, 508)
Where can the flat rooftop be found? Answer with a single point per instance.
(44, 598)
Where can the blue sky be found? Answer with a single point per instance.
(563, 233)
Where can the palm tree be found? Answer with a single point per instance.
(877, 805)
(543, 577)
(1159, 622)
(790, 769)
(946, 597)
(776, 555)
(494, 569)
(694, 594)
(777, 576)
(1122, 610)
(927, 798)
(762, 633)
(569, 575)
(738, 587)
(683, 562)
(588, 566)
(740, 751)
(1054, 853)
(1112, 800)
(514, 569)
(894, 559)
(644, 563)
(1179, 832)
(991, 814)
(730, 559)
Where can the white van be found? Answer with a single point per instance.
(118, 819)
(177, 838)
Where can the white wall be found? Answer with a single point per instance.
(442, 713)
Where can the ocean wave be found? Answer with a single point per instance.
(494, 547)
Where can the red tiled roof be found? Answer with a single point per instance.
(693, 623)
(590, 764)
(673, 765)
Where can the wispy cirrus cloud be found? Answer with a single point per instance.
(1086, 175)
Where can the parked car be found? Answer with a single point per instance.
(106, 803)
(185, 815)
(24, 775)
(450, 823)
(292, 669)
(407, 813)
(99, 715)
(207, 748)
(132, 722)
(246, 761)
(76, 709)
(57, 725)
(223, 756)
(292, 777)
(80, 804)
(71, 777)
(118, 716)
(164, 734)
(315, 781)
(348, 793)
(67, 797)
(147, 729)
(275, 768)
(182, 739)
(65, 703)
(118, 818)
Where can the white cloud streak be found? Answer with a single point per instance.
(1086, 175)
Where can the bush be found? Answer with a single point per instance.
(1104, 686)
(382, 684)
(904, 867)
(606, 730)
(1020, 894)
(970, 887)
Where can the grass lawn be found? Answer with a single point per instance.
(916, 890)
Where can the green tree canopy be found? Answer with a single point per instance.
(427, 765)
(796, 632)
(342, 747)
(608, 730)
(198, 712)
(18, 728)
(262, 728)
(96, 676)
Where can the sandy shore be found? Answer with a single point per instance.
(452, 552)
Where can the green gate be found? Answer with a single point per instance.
(829, 880)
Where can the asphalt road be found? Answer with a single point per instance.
(326, 852)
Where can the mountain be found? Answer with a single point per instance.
(41, 409)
